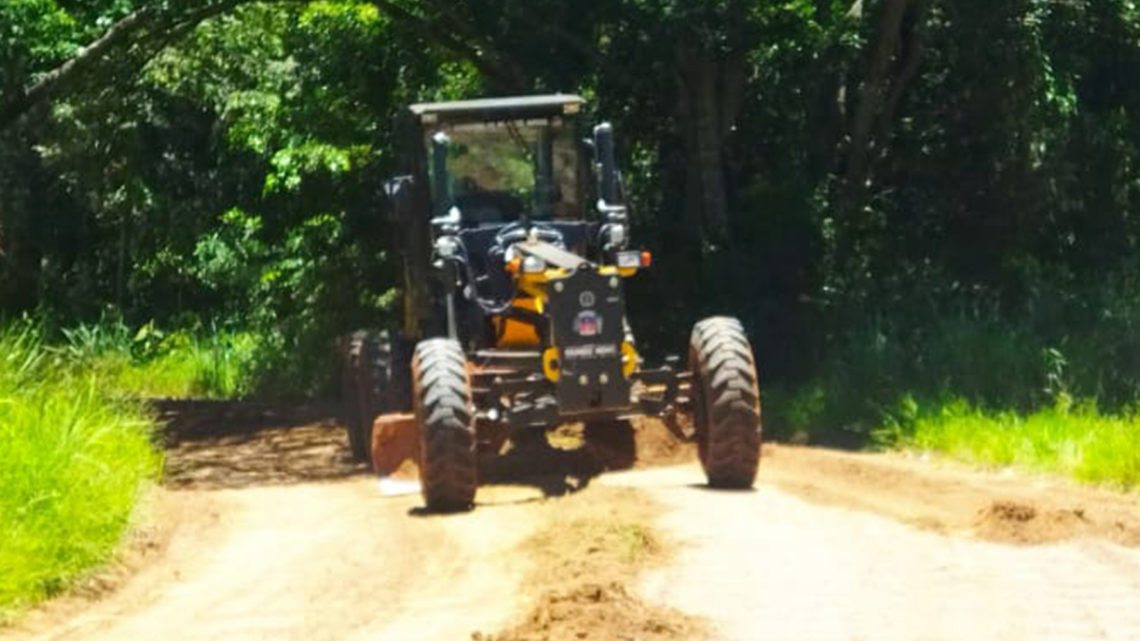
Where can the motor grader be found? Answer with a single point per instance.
(515, 242)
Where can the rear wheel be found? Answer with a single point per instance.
(612, 443)
(446, 418)
(356, 398)
(726, 402)
(374, 381)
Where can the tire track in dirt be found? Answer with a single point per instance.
(770, 565)
(275, 536)
(320, 561)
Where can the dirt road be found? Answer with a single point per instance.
(770, 565)
(321, 561)
(270, 534)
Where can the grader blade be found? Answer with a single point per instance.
(395, 442)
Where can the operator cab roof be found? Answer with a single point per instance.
(498, 109)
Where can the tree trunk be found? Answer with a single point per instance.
(711, 93)
(872, 97)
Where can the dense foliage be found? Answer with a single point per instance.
(894, 195)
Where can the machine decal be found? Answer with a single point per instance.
(587, 323)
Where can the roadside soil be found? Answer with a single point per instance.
(771, 564)
(1001, 505)
(264, 529)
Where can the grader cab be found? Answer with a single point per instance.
(516, 247)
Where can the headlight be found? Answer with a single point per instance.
(447, 247)
(614, 236)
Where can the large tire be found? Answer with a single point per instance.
(355, 403)
(612, 443)
(445, 415)
(374, 382)
(726, 402)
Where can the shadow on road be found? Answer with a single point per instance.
(553, 471)
(217, 445)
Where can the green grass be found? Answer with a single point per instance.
(1080, 442)
(150, 363)
(73, 462)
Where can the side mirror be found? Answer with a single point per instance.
(544, 185)
(614, 234)
(608, 183)
(399, 191)
(440, 176)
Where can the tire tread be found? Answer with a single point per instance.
(728, 422)
(445, 413)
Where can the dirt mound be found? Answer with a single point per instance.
(595, 611)
(933, 494)
(1014, 522)
(657, 446)
(583, 559)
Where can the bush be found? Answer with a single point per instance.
(1082, 343)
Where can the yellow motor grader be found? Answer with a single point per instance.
(515, 240)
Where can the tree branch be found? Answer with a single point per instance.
(167, 29)
(912, 61)
(144, 22)
(56, 79)
(871, 99)
(447, 39)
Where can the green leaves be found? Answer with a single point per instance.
(292, 164)
(34, 35)
(234, 167)
(253, 118)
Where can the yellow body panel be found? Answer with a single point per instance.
(516, 333)
(629, 359)
(551, 367)
(513, 333)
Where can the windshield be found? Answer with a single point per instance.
(495, 171)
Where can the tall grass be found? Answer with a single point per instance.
(150, 363)
(979, 356)
(1080, 442)
(72, 464)
(994, 385)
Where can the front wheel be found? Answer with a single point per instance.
(726, 402)
(445, 415)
